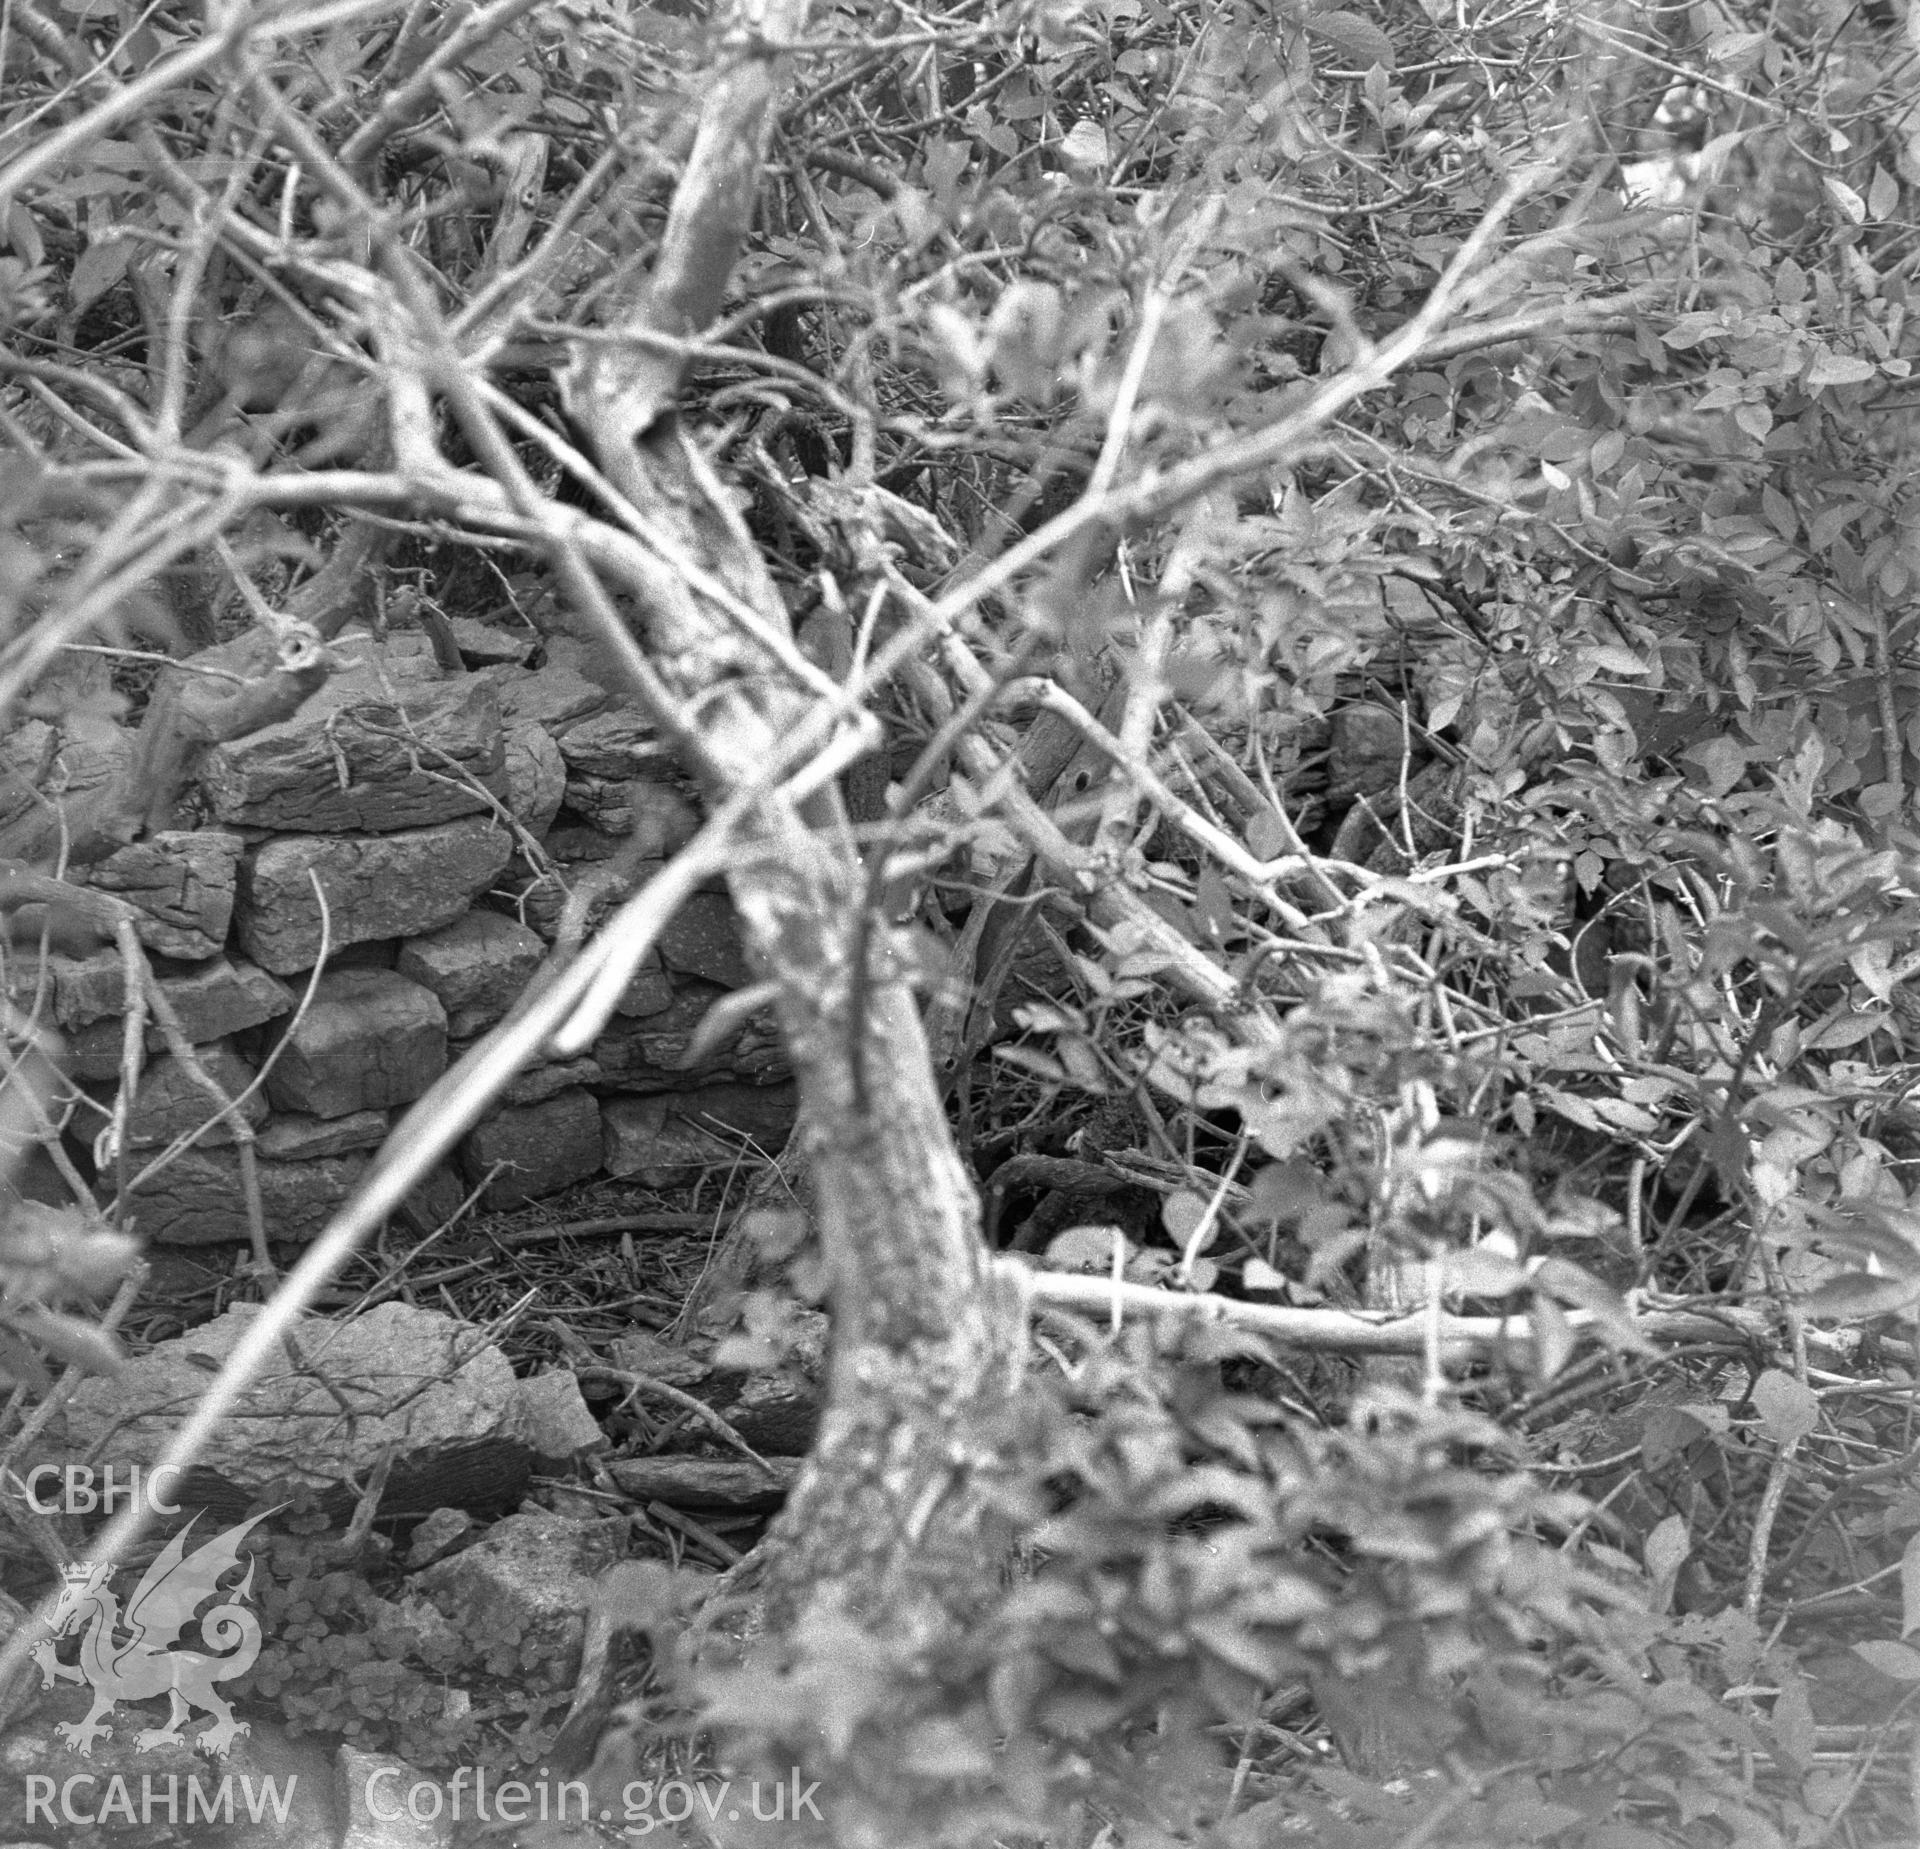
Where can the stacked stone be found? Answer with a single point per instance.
(430, 828)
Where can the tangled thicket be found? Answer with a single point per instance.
(1387, 541)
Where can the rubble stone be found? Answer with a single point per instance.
(169, 1101)
(703, 939)
(602, 803)
(26, 757)
(620, 743)
(92, 751)
(663, 1139)
(531, 1575)
(293, 1136)
(478, 966)
(218, 997)
(380, 747)
(370, 1039)
(555, 696)
(559, 1424)
(419, 1383)
(535, 775)
(487, 645)
(182, 881)
(84, 988)
(539, 1083)
(197, 1200)
(651, 1054)
(394, 885)
(544, 1146)
(603, 886)
(650, 992)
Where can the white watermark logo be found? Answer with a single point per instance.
(473, 1794)
(79, 1489)
(130, 1655)
(57, 1802)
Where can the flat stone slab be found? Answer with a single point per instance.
(370, 1040)
(706, 1482)
(478, 966)
(76, 990)
(559, 1422)
(660, 1140)
(395, 1376)
(541, 1082)
(219, 997)
(534, 776)
(546, 1147)
(376, 886)
(387, 745)
(602, 803)
(361, 1779)
(196, 1199)
(487, 645)
(556, 696)
(533, 1574)
(91, 752)
(182, 881)
(618, 743)
(651, 1054)
(169, 1101)
(223, 996)
(293, 1136)
(650, 992)
(605, 889)
(703, 939)
(576, 842)
(26, 756)
(95, 987)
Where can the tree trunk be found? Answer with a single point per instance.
(885, 1521)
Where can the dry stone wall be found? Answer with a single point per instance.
(432, 828)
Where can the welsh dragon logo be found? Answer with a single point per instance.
(143, 1663)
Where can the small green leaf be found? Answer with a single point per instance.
(941, 1748)
(1891, 1659)
(1856, 1294)
(1669, 1430)
(1183, 1213)
(1566, 1104)
(1258, 1275)
(1624, 1116)
(1618, 660)
(1788, 1409)
(98, 268)
(1223, 1637)
(1793, 1724)
(1553, 1338)
(1266, 834)
(1723, 759)
(1830, 368)
(1359, 38)
(1482, 1272)
(1666, 1550)
(1852, 207)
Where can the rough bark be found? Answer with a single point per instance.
(885, 1520)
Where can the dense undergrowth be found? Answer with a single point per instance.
(1534, 739)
